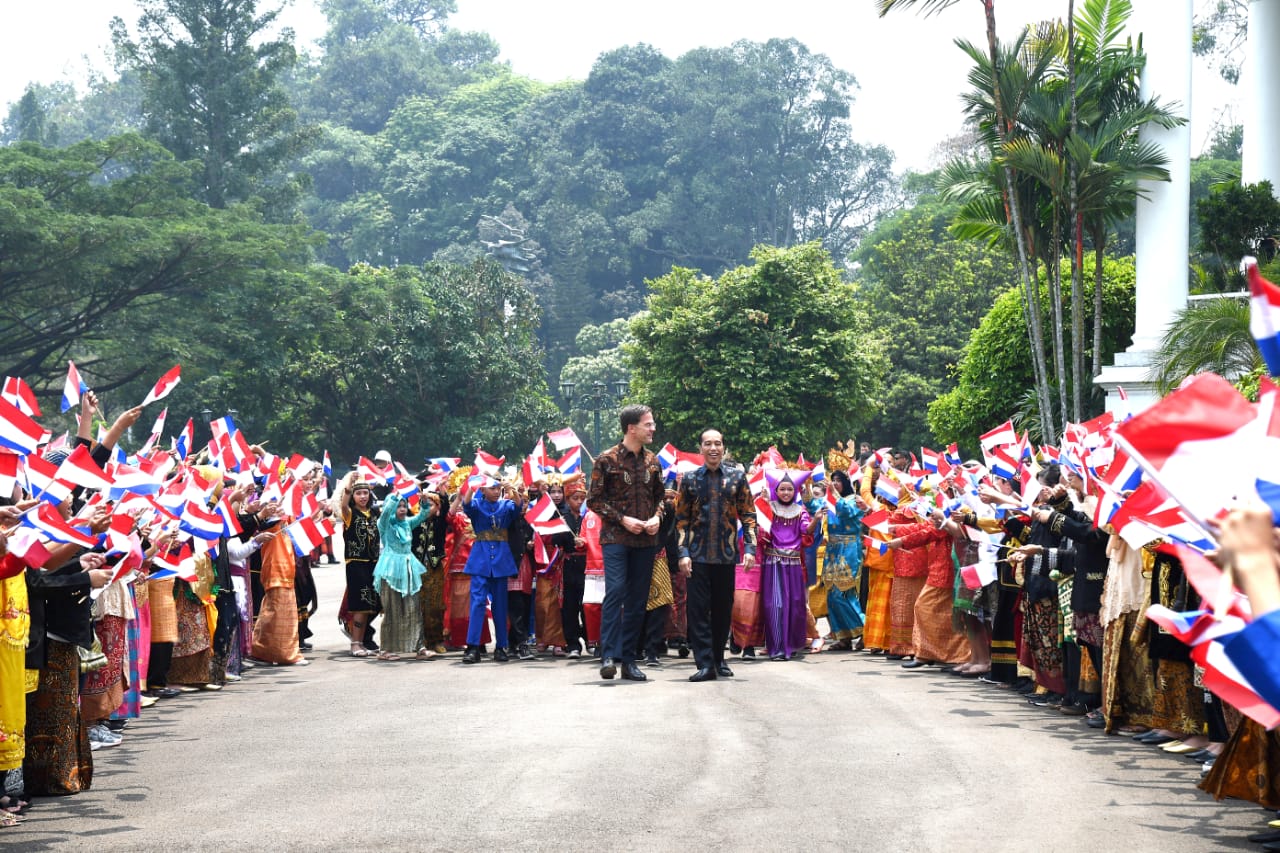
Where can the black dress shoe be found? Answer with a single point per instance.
(914, 664)
(631, 672)
(500, 655)
(471, 655)
(723, 671)
(166, 692)
(894, 657)
(608, 669)
(1265, 837)
(705, 674)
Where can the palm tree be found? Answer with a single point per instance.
(1001, 125)
(1208, 335)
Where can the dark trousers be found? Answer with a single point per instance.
(654, 635)
(710, 612)
(158, 668)
(572, 616)
(518, 616)
(627, 573)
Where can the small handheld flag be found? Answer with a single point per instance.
(73, 387)
(163, 385)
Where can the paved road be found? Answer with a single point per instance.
(835, 751)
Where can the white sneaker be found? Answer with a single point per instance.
(232, 679)
(100, 736)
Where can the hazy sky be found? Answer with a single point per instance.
(910, 73)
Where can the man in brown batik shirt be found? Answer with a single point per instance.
(626, 492)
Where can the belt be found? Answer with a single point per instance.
(494, 535)
(781, 552)
(843, 537)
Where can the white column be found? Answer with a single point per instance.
(1163, 217)
(1262, 95)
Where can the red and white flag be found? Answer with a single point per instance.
(308, 534)
(1191, 441)
(764, 515)
(563, 439)
(164, 385)
(488, 464)
(19, 393)
(1001, 436)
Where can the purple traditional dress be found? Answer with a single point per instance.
(783, 584)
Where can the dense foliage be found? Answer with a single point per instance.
(778, 352)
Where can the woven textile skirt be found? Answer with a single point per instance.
(58, 760)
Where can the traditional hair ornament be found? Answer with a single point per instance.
(842, 456)
(457, 477)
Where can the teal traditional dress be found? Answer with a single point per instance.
(842, 568)
(398, 579)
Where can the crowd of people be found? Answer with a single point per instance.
(1008, 577)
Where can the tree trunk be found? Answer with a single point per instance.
(1077, 236)
(1099, 243)
(1015, 217)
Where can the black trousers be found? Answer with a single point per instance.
(518, 618)
(654, 633)
(572, 616)
(710, 612)
(158, 668)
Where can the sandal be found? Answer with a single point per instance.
(10, 819)
(360, 652)
(425, 654)
(388, 656)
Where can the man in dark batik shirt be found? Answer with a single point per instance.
(626, 492)
(712, 502)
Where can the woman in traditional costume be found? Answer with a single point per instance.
(784, 592)
(398, 579)
(842, 563)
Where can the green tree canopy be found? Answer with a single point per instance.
(995, 374)
(925, 291)
(778, 352)
(212, 94)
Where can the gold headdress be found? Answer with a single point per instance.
(457, 477)
(842, 456)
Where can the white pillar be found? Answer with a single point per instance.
(1262, 95)
(1163, 217)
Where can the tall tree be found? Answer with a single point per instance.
(210, 72)
(95, 229)
(779, 352)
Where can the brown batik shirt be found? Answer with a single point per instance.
(625, 483)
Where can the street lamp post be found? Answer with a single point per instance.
(600, 399)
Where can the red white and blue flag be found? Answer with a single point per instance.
(48, 521)
(200, 522)
(163, 385)
(1206, 635)
(17, 430)
(1264, 315)
(42, 481)
(80, 469)
(570, 462)
(180, 563)
(308, 534)
(73, 387)
(328, 467)
(185, 442)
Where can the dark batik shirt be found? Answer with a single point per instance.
(625, 483)
(709, 507)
